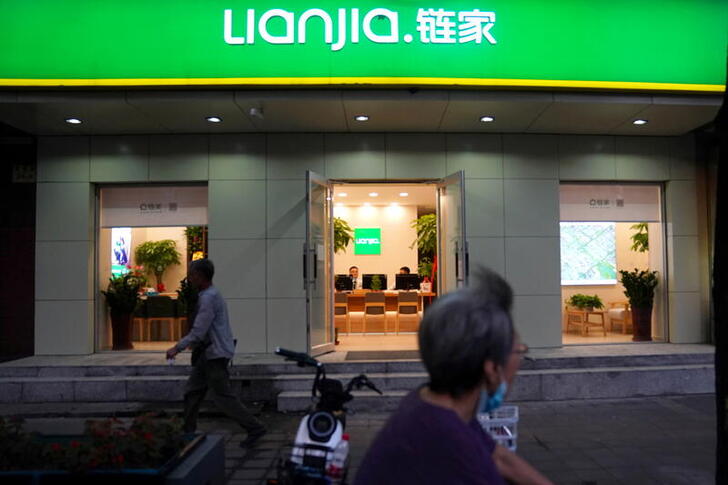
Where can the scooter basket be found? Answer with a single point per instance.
(502, 425)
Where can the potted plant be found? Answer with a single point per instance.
(641, 238)
(343, 234)
(424, 267)
(426, 242)
(157, 256)
(196, 242)
(639, 287)
(122, 297)
(585, 302)
(376, 283)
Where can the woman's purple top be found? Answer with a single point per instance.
(427, 444)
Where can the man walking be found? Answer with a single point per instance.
(211, 340)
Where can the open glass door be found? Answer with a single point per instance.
(318, 264)
(452, 258)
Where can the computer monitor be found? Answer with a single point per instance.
(407, 282)
(366, 281)
(343, 282)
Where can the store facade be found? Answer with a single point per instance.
(256, 165)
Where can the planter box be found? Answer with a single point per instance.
(202, 462)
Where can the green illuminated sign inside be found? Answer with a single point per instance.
(368, 241)
(677, 45)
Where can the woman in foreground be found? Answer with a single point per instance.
(472, 353)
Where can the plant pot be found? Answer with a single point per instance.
(121, 331)
(642, 324)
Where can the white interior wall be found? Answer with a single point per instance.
(397, 237)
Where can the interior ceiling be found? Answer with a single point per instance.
(422, 195)
(180, 111)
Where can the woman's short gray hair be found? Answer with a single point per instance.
(463, 329)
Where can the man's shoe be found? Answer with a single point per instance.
(253, 438)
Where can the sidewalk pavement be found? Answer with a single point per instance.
(658, 440)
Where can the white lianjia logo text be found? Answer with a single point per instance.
(379, 25)
(367, 240)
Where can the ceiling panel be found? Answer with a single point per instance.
(672, 116)
(513, 112)
(102, 113)
(151, 112)
(395, 111)
(587, 113)
(186, 112)
(358, 194)
(294, 111)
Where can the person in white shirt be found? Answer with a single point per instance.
(355, 278)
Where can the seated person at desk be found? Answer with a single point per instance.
(355, 278)
(407, 281)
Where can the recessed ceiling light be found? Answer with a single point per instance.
(214, 119)
(373, 194)
(403, 194)
(361, 118)
(486, 119)
(73, 121)
(342, 194)
(394, 204)
(639, 122)
(367, 204)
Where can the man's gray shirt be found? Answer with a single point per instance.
(211, 325)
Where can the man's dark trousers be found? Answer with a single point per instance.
(213, 374)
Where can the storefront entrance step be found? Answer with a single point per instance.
(585, 357)
(531, 384)
(555, 385)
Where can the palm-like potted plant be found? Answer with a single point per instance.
(122, 297)
(157, 256)
(426, 242)
(639, 287)
(343, 234)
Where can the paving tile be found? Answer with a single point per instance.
(249, 474)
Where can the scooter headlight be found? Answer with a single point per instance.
(321, 426)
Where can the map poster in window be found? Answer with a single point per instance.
(588, 253)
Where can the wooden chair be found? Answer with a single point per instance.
(341, 307)
(374, 304)
(619, 312)
(407, 304)
(162, 309)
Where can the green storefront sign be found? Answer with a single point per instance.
(676, 45)
(368, 241)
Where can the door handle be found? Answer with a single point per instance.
(467, 262)
(305, 267)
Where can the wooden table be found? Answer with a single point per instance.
(580, 318)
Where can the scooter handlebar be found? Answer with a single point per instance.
(299, 357)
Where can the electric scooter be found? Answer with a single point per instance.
(317, 448)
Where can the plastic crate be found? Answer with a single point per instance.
(502, 425)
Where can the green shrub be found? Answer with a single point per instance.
(585, 301)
